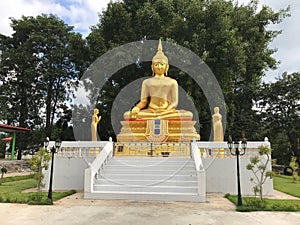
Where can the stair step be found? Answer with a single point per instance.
(178, 177)
(142, 196)
(148, 189)
(182, 183)
(148, 172)
(149, 167)
(149, 159)
(147, 178)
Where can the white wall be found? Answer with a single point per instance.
(221, 173)
(221, 176)
(68, 173)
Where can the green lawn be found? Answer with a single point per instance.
(281, 183)
(12, 187)
(255, 204)
(285, 184)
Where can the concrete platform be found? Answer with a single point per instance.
(74, 210)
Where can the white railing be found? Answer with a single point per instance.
(155, 149)
(221, 150)
(201, 173)
(102, 159)
(87, 149)
(75, 149)
(196, 156)
(94, 168)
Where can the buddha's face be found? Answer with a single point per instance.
(159, 67)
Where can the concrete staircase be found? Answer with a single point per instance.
(153, 178)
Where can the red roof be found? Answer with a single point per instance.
(6, 139)
(8, 128)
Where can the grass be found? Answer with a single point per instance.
(255, 204)
(16, 178)
(285, 184)
(281, 183)
(12, 187)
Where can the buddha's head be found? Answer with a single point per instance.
(160, 64)
(96, 111)
(216, 110)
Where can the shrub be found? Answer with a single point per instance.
(39, 162)
(294, 165)
(258, 165)
(3, 171)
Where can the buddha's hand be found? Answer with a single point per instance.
(170, 108)
(134, 112)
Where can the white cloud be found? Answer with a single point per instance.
(287, 43)
(79, 13)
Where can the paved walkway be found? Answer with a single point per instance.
(74, 210)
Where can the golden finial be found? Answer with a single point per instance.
(160, 56)
(159, 47)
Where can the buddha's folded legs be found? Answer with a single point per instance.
(148, 114)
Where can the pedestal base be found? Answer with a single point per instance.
(173, 130)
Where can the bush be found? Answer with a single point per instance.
(259, 169)
(3, 171)
(39, 162)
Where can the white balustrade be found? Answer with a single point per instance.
(86, 149)
(82, 149)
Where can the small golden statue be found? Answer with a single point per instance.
(95, 120)
(217, 125)
(155, 118)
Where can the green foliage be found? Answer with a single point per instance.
(255, 204)
(38, 162)
(40, 66)
(279, 107)
(258, 165)
(294, 165)
(3, 171)
(11, 192)
(233, 40)
(41, 198)
(2, 146)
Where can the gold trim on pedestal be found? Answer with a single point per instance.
(172, 130)
(157, 130)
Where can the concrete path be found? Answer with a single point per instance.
(74, 210)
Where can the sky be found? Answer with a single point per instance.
(82, 14)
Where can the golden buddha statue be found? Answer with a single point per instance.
(217, 125)
(155, 118)
(94, 124)
(161, 90)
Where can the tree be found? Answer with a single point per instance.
(39, 68)
(38, 162)
(258, 165)
(233, 40)
(294, 165)
(279, 105)
(3, 171)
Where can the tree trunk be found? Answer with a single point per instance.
(261, 192)
(48, 110)
(2, 174)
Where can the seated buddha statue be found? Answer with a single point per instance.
(159, 94)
